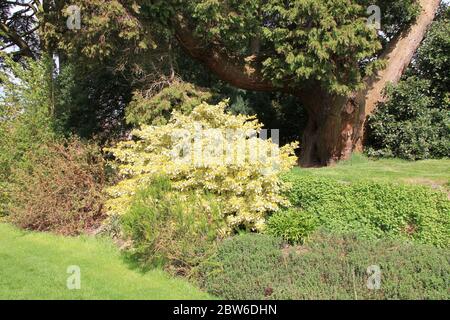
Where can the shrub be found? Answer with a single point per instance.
(243, 267)
(432, 56)
(61, 190)
(256, 266)
(157, 110)
(170, 229)
(375, 209)
(292, 225)
(408, 125)
(248, 187)
(25, 121)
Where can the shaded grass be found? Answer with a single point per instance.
(359, 167)
(34, 266)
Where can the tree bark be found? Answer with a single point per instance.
(328, 135)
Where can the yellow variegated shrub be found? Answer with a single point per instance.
(209, 151)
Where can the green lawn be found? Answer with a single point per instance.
(34, 266)
(430, 172)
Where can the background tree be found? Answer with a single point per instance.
(104, 63)
(414, 122)
(321, 52)
(19, 24)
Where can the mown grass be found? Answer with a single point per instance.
(359, 167)
(34, 266)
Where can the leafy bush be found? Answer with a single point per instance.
(171, 229)
(375, 209)
(256, 266)
(408, 125)
(248, 187)
(157, 110)
(61, 190)
(292, 225)
(432, 57)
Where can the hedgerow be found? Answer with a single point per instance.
(61, 190)
(255, 266)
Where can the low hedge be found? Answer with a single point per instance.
(255, 266)
(373, 210)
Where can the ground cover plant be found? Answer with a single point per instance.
(371, 209)
(329, 266)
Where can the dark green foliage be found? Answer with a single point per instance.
(433, 61)
(414, 123)
(171, 230)
(395, 15)
(308, 41)
(293, 226)
(18, 33)
(328, 267)
(156, 110)
(276, 111)
(90, 100)
(409, 125)
(375, 209)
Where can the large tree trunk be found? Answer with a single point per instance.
(330, 132)
(398, 55)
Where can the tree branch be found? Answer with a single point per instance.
(398, 55)
(17, 40)
(242, 73)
